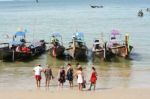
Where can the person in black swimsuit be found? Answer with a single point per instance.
(70, 75)
(61, 76)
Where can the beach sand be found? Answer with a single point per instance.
(118, 93)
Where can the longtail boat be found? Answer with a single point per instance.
(101, 51)
(118, 46)
(20, 49)
(56, 49)
(98, 48)
(77, 48)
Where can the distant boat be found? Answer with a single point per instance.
(140, 13)
(77, 48)
(96, 6)
(57, 49)
(148, 9)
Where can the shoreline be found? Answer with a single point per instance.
(117, 93)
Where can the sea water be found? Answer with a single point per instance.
(70, 16)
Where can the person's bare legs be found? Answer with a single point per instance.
(80, 86)
(90, 87)
(94, 86)
(62, 84)
(70, 82)
(48, 83)
(37, 83)
(59, 84)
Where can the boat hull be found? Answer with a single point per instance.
(10, 55)
(99, 54)
(79, 54)
(57, 51)
(122, 51)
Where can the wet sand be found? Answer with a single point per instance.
(118, 93)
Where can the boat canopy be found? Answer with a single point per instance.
(79, 36)
(20, 33)
(115, 32)
(115, 38)
(56, 34)
(35, 44)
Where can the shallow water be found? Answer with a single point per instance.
(42, 19)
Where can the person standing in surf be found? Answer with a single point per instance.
(37, 72)
(48, 75)
(80, 78)
(69, 75)
(61, 76)
(93, 78)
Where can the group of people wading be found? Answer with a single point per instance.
(64, 75)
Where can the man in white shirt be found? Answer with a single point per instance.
(37, 72)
